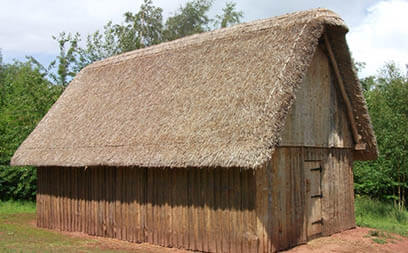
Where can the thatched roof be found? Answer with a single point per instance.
(214, 99)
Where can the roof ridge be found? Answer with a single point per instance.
(257, 25)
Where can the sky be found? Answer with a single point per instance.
(378, 29)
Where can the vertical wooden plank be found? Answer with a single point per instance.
(190, 195)
(205, 225)
(77, 201)
(129, 200)
(86, 191)
(275, 218)
(196, 209)
(63, 184)
(142, 200)
(170, 209)
(97, 186)
(175, 213)
(211, 211)
(245, 212)
(161, 207)
(124, 203)
(128, 216)
(95, 208)
(254, 240)
(236, 228)
(66, 199)
(219, 211)
(156, 214)
(184, 205)
(224, 207)
(166, 210)
(118, 203)
(200, 219)
(111, 204)
(177, 220)
(38, 198)
(81, 188)
(44, 197)
(104, 200)
(135, 203)
(71, 198)
(260, 208)
(91, 200)
(149, 214)
(48, 198)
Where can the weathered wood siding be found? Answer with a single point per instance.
(282, 205)
(212, 210)
(209, 210)
(318, 116)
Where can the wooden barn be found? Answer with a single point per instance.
(237, 140)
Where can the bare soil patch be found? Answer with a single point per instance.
(359, 239)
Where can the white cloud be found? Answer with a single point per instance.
(26, 26)
(382, 36)
(378, 28)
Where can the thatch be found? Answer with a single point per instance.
(214, 99)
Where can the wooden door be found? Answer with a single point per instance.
(313, 178)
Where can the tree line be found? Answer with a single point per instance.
(28, 89)
(387, 99)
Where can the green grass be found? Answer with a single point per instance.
(12, 207)
(18, 233)
(379, 215)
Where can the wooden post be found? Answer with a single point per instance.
(356, 136)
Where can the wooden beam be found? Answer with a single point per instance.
(356, 136)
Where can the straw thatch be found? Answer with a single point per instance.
(214, 99)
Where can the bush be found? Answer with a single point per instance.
(17, 183)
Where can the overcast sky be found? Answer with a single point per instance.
(378, 29)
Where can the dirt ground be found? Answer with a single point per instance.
(355, 240)
(350, 241)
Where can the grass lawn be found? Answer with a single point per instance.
(19, 234)
(382, 216)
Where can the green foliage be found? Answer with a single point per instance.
(387, 99)
(189, 19)
(145, 27)
(140, 29)
(229, 16)
(17, 183)
(67, 59)
(26, 95)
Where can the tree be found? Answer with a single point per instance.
(190, 19)
(229, 15)
(387, 101)
(26, 96)
(66, 61)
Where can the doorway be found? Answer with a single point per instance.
(313, 183)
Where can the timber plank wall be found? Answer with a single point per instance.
(206, 209)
